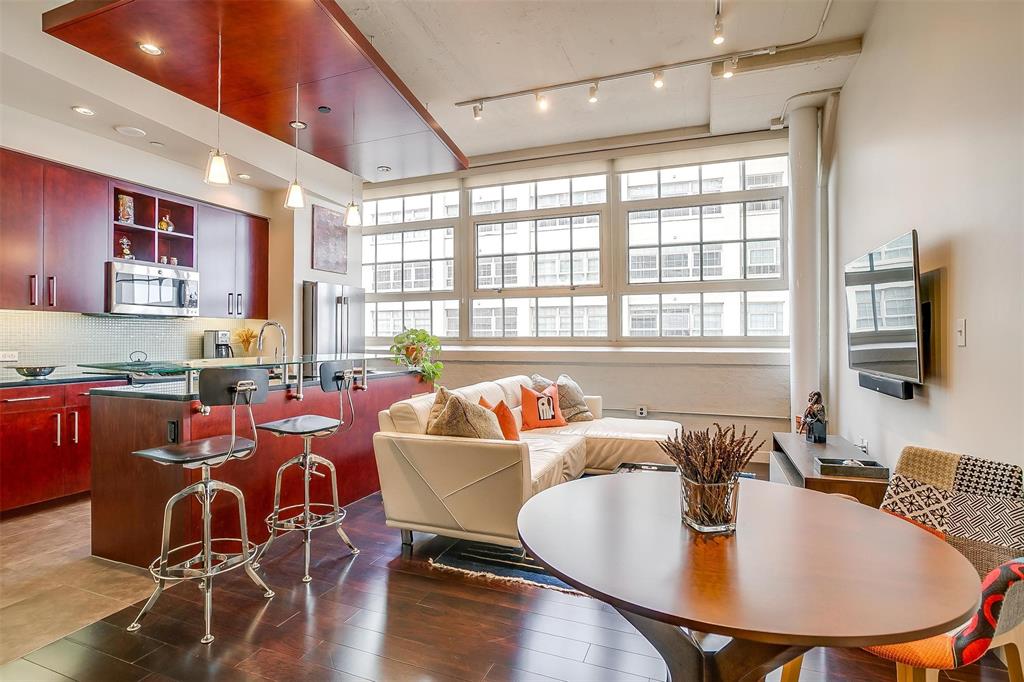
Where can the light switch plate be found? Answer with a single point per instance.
(961, 332)
(8, 356)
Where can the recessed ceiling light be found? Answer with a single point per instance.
(84, 111)
(151, 49)
(244, 176)
(156, 144)
(323, 109)
(130, 131)
(383, 169)
(298, 125)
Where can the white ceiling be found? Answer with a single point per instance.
(453, 50)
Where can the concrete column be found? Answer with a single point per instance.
(803, 256)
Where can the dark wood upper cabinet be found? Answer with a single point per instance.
(75, 218)
(21, 231)
(216, 234)
(252, 244)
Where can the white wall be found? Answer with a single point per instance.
(931, 136)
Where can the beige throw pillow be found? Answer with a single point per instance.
(453, 415)
(570, 397)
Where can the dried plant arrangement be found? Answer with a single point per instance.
(709, 464)
(706, 458)
(246, 336)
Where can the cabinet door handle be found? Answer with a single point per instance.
(52, 279)
(25, 400)
(238, 304)
(33, 290)
(230, 304)
(58, 429)
(74, 433)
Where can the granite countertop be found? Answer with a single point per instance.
(175, 390)
(62, 375)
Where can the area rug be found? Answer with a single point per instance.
(495, 562)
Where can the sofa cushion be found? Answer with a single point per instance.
(510, 387)
(571, 400)
(485, 389)
(613, 440)
(506, 420)
(554, 459)
(410, 415)
(540, 409)
(459, 417)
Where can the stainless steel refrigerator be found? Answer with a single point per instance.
(333, 319)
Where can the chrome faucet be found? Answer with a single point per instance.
(283, 350)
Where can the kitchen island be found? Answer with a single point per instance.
(129, 492)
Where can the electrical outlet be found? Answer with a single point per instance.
(8, 356)
(641, 411)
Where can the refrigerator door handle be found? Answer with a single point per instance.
(341, 344)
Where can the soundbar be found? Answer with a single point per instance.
(897, 388)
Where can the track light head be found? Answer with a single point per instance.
(593, 94)
(729, 67)
(542, 101)
(659, 79)
(719, 35)
(478, 111)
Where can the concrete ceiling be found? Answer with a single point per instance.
(453, 50)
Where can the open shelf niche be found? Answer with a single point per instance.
(156, 225)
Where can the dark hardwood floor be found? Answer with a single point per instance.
(384, 616)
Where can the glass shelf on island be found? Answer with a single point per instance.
(264, 361)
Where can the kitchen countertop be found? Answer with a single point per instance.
(175, 390)
(62, 375)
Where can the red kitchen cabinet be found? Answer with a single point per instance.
(31, 457)
(233, 255)
(75, 240)
(77, 458)
(21, 231)
(252, 244)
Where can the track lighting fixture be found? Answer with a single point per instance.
(729, 67)
(719, 36)
(659, 79)
(542, 102)
(217, 171)
(593, 94)
(478, 111)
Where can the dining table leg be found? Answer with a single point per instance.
(739, 660)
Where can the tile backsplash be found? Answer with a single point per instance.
(49, 338)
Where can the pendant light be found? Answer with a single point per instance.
(296, 197)
(217, 172)
(352, 217)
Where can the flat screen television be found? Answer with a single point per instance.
(883, 311)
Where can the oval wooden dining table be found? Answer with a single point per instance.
(803, 569)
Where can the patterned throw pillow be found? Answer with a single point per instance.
(461, 418)
(540, 409)
(570, 397)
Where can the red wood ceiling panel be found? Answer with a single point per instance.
(269, 45)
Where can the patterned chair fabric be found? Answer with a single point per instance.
(977, 506)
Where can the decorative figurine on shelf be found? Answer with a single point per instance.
(125, 208)
(126, 248)
(165, 223)
(163, 260)
(814, 420)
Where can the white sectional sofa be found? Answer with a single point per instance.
(473, 488)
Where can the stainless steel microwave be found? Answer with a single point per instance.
(143, 289)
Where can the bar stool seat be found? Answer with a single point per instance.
(303, 425)
(199, 451)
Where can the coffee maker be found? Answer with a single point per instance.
(217, 344)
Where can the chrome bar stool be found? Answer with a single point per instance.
(210, 556)
(310, 516)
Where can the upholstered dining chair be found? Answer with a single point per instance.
(977, 506)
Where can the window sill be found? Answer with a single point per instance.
(614, 355)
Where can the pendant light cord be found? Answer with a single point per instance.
(296, 133)
(220, 54)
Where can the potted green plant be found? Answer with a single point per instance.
(417, 349)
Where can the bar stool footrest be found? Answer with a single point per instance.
(329, 517)
(194, 568)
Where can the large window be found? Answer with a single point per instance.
(528, 196)
(387, 318)
(729, 313)
(548, 316)
(549, 252)
(410, 261)
(410, 209)
(709, 178)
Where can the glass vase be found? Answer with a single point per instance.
(709, 507)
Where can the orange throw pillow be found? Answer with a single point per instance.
(506, 420)
(540, 410)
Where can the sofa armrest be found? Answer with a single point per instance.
(595, 404)
(472, 485)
